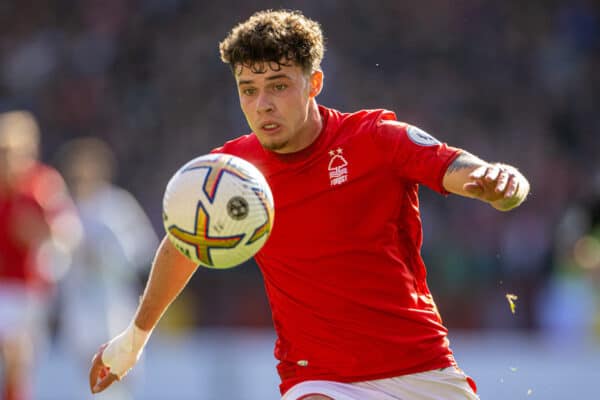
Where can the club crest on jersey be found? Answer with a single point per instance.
(338, 167)
(420, 137)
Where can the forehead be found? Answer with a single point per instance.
(249, 74)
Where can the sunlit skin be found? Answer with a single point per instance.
(280, 106)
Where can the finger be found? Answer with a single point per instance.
(502, 181)
(104, 383)
(492, 174)
(479, 172)
(512, 187)
(97, 367)
(473, 188)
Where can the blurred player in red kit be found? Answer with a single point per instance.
(342, 268)
(37, 221)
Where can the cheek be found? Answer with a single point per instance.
(244, 106)
(292, 103)
(250, 120)
(300, 107)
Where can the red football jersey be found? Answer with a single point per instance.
(342, 268)
(40, 193)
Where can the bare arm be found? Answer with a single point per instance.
(170, 273)
(501, 185)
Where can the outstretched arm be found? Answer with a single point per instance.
(501, 185)
(170, 273)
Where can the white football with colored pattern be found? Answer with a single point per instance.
(218, 210)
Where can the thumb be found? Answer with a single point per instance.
(100, 375)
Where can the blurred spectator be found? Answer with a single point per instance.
(117, 245)
(37, 222)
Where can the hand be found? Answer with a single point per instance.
(503, 186)
(100, 375)
(116, 358)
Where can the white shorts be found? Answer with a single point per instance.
(445, 384)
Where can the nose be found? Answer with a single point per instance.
(264, 103)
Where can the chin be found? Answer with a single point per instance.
(274, 146)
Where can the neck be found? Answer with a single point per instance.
(314, 123)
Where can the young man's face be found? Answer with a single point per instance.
(276, 105)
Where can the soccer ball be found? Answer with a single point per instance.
(218, 210)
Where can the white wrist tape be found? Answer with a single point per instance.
(124, 350)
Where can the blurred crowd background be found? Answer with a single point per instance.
(512, 81)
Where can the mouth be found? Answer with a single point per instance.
(270, 127)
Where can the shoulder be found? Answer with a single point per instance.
(360, 121)
(45, 185)
(384, 127)
(246, 147)
(45, 178)
(113, 194)
(43, 171)
(404, 133)
(239, 146)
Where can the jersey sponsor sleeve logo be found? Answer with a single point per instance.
(420, 137)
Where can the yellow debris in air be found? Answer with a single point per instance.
(511, 301)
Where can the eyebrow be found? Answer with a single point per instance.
(270, 78)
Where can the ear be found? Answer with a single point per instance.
(316, 83)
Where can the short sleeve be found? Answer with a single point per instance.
(414, 154)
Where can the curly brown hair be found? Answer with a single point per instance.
(270, 39)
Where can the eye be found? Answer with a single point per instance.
(248, 91)
(280, 86)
